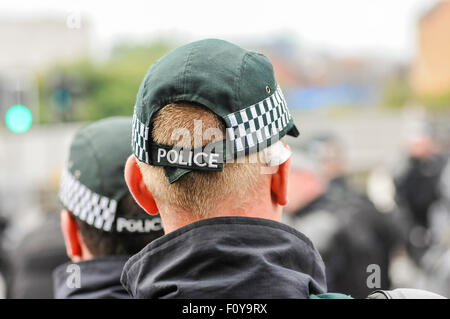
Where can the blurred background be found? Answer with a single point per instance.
(372, 77)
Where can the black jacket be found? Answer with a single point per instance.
(100, 279)
(227, 257)
(33, 260)
(417, 187)
(350, 235)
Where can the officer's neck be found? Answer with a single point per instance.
(174, 218)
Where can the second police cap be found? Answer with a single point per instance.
(237, 85)
(93, 182)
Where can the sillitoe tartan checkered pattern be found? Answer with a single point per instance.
(139, 140)
(259, 122)
(96, 210)
(248, 128)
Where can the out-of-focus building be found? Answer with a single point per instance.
(285, 73)
(431, 70)
(34, 43)
(29, 161)
(31, 44)
(283, 52)
(311, 79)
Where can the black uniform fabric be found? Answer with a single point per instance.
(385, 227)
(33, 260)
(418, 187)
(100, 279)
(350, 235)
(227, 257)
(4, 269)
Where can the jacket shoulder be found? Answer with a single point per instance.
(330, 295)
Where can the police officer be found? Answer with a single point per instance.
(435, 261)
(33, 259)
(348, 231)
(101, 223)
(379, 234)
(417, 189)
(208, 121)
(4, 269)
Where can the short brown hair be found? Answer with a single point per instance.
(199, 191)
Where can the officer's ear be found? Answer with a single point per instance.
(279, 183)
(71, 236)
(136, 185)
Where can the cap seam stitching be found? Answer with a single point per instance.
(187, 68)
(238, 81)
(97, 162)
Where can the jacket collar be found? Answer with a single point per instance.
(227, 257)
(99, 279)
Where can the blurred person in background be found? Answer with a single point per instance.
(32, 260)
(101, 223)
(436, 260)
(327, 151)
(346, 228)
(3, 257)
(417, 188)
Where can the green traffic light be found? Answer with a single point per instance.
(19, 118)
(61, 100)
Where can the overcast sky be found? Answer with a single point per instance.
(386, 27)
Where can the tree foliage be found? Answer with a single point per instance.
(98, 89)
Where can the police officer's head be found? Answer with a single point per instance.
(100, 217)
(327, 150)
(223, 110)
(306, 181)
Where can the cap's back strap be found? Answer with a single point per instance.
(208, 158)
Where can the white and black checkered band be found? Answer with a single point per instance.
(139, 140)
(255, 125)
(96, 210)
(252, 128)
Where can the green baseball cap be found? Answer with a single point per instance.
(93, 180)
(237, 85)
